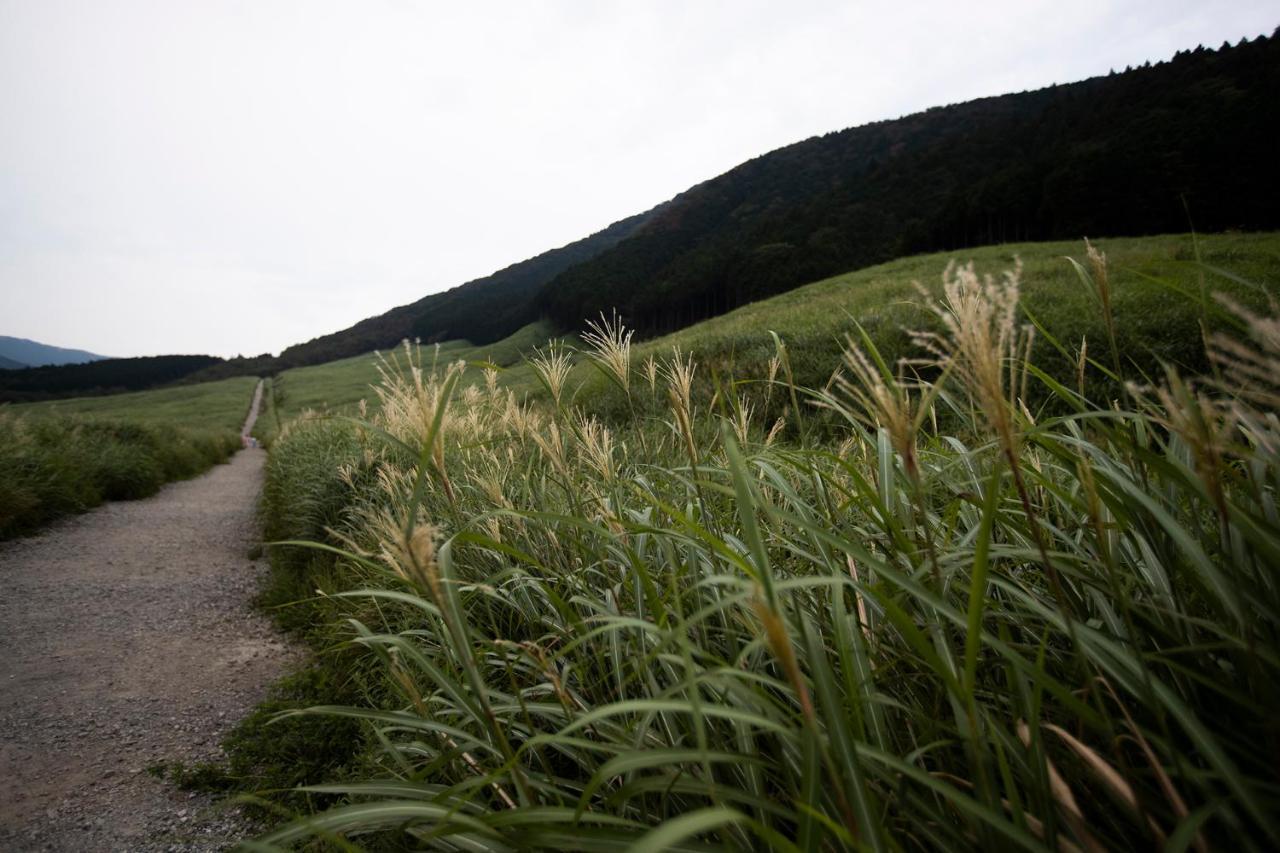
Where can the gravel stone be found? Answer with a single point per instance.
(127, 638)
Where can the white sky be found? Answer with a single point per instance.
(234, 177)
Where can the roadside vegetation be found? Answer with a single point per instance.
(339, 387)
(56, 466)
(64, 457)
(987, 566)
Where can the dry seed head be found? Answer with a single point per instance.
(551, 444)
(1098, 264)
(774, 431)
(1081, 362)
(610, 342)
(411, 554)
(775, 364)
(742, 421)
(678, 373)
(1250, 371)
(1205, 426)
(883, 403)
(979, 334)
(779, 642)
(679, 376)
(596, 443)
(651, 372)
(552, 365)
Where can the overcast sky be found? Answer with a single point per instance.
(234, 177)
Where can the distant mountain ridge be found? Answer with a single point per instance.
(28, 353)
(482, 311)
(1156, 149)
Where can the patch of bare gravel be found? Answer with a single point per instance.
(127, 638)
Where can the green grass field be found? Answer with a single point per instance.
(1156, 284)
(220, 405)
(641, 617)
(953, 616)
(337, 387)
(1160, 291)
(66, 456)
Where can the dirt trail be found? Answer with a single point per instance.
(127, 638)
(254, 407)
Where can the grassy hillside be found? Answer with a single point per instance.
(1157, 284)
(948, 620)
(1159, 289)
(337, 387)
(220, 405)
(1145, 151)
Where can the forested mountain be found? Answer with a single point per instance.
(98, 377)
(21, 352)
(482, 311)
(1154, 149)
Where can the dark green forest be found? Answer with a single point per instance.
(109, 376)
(1188, 143)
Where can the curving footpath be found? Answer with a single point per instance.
(127, 638)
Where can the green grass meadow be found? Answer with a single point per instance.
(62, 457)
(220, 405)
(1015, 592)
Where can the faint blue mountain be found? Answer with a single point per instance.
(20, 352)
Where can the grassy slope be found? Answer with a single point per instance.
(339, 386)
(644, 618)
(220, 405)
(814, 319)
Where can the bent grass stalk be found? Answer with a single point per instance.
(588, 640)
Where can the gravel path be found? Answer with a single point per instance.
(126, 638)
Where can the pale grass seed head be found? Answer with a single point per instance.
(1250, 371)
(1205, 425)
(610, 343)
(678, 373)
(651, 373)
(881, 403)
(551, 443)
(980, 339)
(552, 366)
(741, 420)
(597, 447)
(774, 431)
(1098, 267)
(410, 401)
(411, 554)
